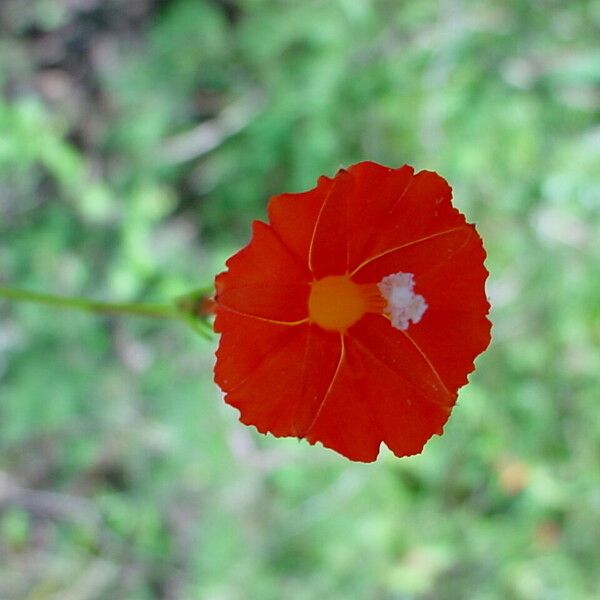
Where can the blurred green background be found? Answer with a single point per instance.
(138, 138)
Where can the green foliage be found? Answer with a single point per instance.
(137, 141)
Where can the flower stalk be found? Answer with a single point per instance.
(187, 310)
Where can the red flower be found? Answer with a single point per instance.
(355, 314)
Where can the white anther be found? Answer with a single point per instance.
(403, 305)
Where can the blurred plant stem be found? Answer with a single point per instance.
(156, 311)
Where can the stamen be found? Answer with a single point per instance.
(403, 305)
(374, 301)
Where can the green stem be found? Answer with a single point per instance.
(157, 311)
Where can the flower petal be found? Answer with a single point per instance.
(423, 209)
(265, 280)
(285, 389)
(345, 421)
(396, 350)
(370, 402)
(293, 217)
(375, 190)
(237, 359)
(416, 257)
(450, 275)
(455, 329)
(328, 252)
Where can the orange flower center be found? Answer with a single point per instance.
(336, 302)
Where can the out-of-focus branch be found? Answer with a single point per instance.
(211, 134)
(46, 504)
(92, 583)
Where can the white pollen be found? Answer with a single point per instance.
(403, 305)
